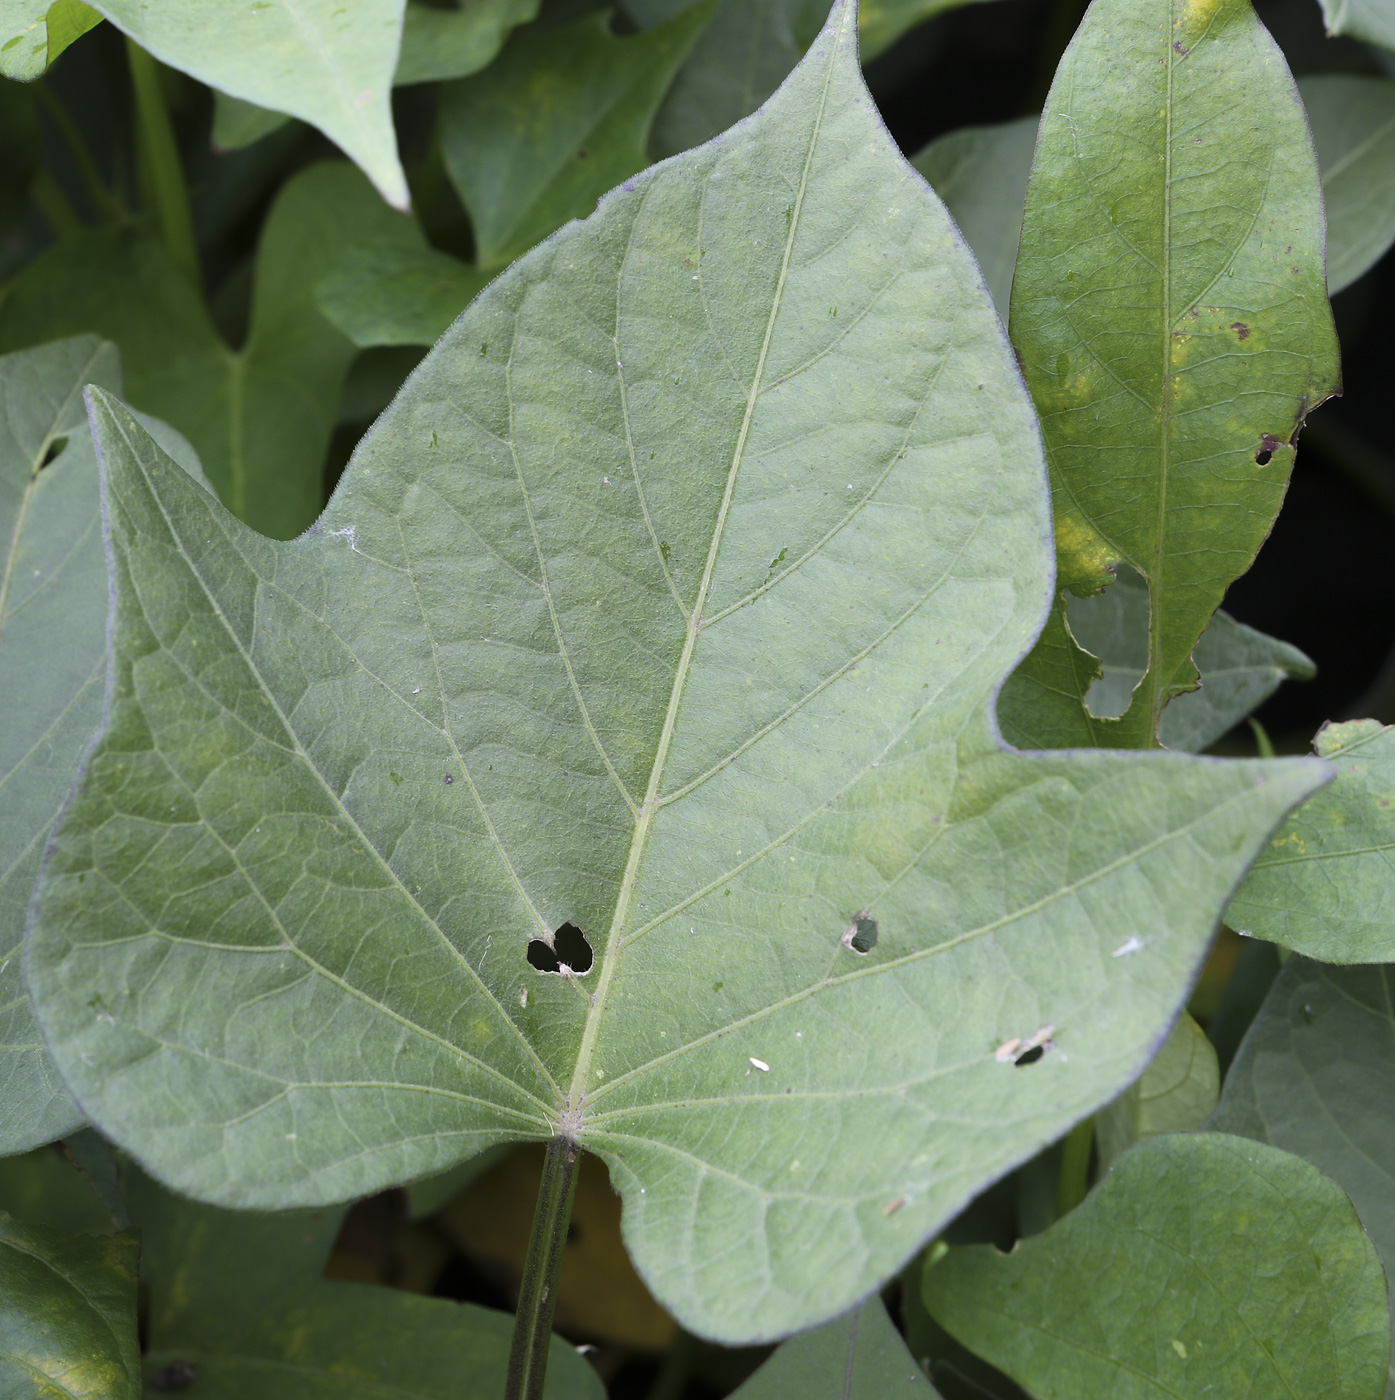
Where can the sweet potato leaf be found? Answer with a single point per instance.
(857, 1357)
(1174, 1094)
(1372, 20)
(1353, 123)
(444, 43)
(67, 1314)
(327, 63)
(1170, 313)
(981, 174)
(615, 758)
(1312, 1076)
(1202, 1265)
(560, 118)
(260, 417)
(1324, 886)
(239, 1306)
(34, 32)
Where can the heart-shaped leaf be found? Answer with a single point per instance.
(615, 759)
(1202, 1265)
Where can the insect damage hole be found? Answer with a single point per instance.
(570, 953)
(53, 452)
(861, 935)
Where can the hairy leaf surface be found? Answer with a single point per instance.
(1325, 886)
(651, 635)
(53, 646)
(561, 118)
(1202, 1265)
(858, 1357)
(67, 1314)
(1170, 312)
(1353, 123)
(981, 174)
(327, 63)
(1313, 1077)
(260, 417)
(241, 1299)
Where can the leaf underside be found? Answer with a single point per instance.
(667, 602)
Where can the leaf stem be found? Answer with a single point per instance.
(1074, 1181)
(104, 203)
(166, 174)
(537, 1299)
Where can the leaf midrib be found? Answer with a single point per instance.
(572, 1109)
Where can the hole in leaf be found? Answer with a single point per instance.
(1264, 456)
(1113, 627)
(861, 937)
(1030, 1057)
(55, 450)
(569, 950)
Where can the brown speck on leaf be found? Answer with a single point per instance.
(1240, 329)
(1177, 47)
(891, 1207)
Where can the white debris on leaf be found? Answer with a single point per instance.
(1133, 945)
(759, 1064)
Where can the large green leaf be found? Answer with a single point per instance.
(1174, 1094)
(1313, 1076)
(34, 32)
(328, 63)
(1353, 123)
(667, 602)
(1170, 313)
(67, 1314)
(1201, 1266)
(857, 1357)
(1372, 20)
(981, 174)
(53, 646)
(239, 1307)
(558, 120)
(1325, 886)
(260, 417)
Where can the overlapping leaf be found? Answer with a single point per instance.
(261, 416)
(668, 602)
(53, 615)
(1325, 885)
(1170, 312)
(1313, 1077)
(981, 174)
(239, 1306)
(34, 32)
(1372, 20)
(328, 63)
(1353, 122)
(561, 118)
(1202, 1265)
(67, 1314)
(858, 1357)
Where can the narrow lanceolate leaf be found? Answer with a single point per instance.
(1372, 20)
(260, 417)
(1170, 312)
(981, 174)
(1201, 1266)
(34, 32)
(1174, 1095)
(328, 63)
(238, 1306)
(67, 1314)
(53, 616)
(615, 759)
(1325, 885)
(561, 118)
(857, 1357)
(1353, 123)
(1313, 1076)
